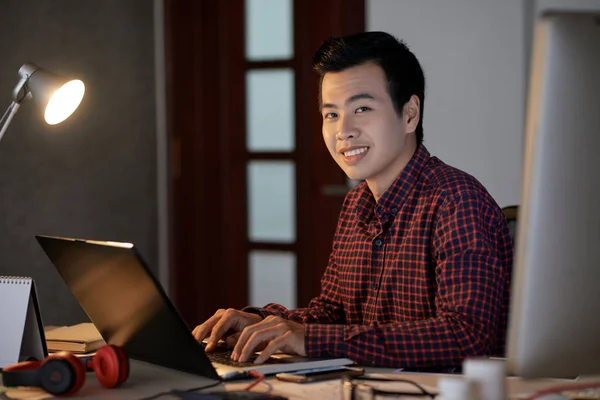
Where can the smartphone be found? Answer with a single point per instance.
(319, 374)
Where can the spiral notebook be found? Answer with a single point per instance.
(22, 336)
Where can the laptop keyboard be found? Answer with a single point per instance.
(222, 355)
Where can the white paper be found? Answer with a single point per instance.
(14, 300)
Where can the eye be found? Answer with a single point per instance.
(362, 109)
(330, 115)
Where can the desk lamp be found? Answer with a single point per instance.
(58, 96)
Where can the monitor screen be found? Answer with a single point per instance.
(554, 324)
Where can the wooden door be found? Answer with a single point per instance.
(222, 165)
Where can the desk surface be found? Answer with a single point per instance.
(147, 380)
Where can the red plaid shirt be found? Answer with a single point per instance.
(420, 278)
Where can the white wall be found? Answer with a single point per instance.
(474, 54)
(567, 5)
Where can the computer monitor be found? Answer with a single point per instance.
(554, 324)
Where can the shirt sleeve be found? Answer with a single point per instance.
(470, 281)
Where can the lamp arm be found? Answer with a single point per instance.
(21, 92)
(7, 117)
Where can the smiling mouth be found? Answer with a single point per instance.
(355, 152)
(354, 156)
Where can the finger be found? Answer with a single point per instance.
(201, 331)
(249, 331)
(276, 344)
(199, 328)
(259, 337)
(231, 340)
(227, 321)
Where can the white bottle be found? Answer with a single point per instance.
(489, 375)
(456, 388)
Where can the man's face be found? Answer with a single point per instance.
(361, 128)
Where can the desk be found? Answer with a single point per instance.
(146, 380)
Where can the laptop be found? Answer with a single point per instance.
(129, 307)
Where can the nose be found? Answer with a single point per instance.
(346, 129)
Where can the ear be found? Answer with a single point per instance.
(412, 114)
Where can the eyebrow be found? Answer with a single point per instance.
(351, 99)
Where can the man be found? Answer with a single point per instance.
(419, 273)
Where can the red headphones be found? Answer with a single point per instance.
(63, 373)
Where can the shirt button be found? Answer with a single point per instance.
(379, 242)
(394, 210)
(375, 286)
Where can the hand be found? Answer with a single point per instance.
(278, 333)
(222, 322)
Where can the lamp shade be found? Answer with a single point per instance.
(58, 96)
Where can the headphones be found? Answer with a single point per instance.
(63, 373)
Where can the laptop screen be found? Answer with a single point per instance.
(126, 303)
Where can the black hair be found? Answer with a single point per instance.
(402, 69)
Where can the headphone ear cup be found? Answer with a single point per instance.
(123, 364)
(111, 366)
(62, 374)
(25, 373)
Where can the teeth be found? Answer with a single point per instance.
(355, 152)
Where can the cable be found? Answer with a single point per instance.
(259, 378)
(350, 383)
(255, 374)
(174, 391)
(564, 388)
(381, 379)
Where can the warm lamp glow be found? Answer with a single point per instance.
(57, 96)
(64, 101)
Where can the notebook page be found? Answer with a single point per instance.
(14, 299)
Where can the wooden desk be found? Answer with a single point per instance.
(146, 380)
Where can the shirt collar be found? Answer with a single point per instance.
(392, 199)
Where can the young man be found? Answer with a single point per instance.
(419, 274)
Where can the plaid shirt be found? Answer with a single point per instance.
(420, 278)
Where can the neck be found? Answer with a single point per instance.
(380, 184)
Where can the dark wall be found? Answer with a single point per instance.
(93, 176)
